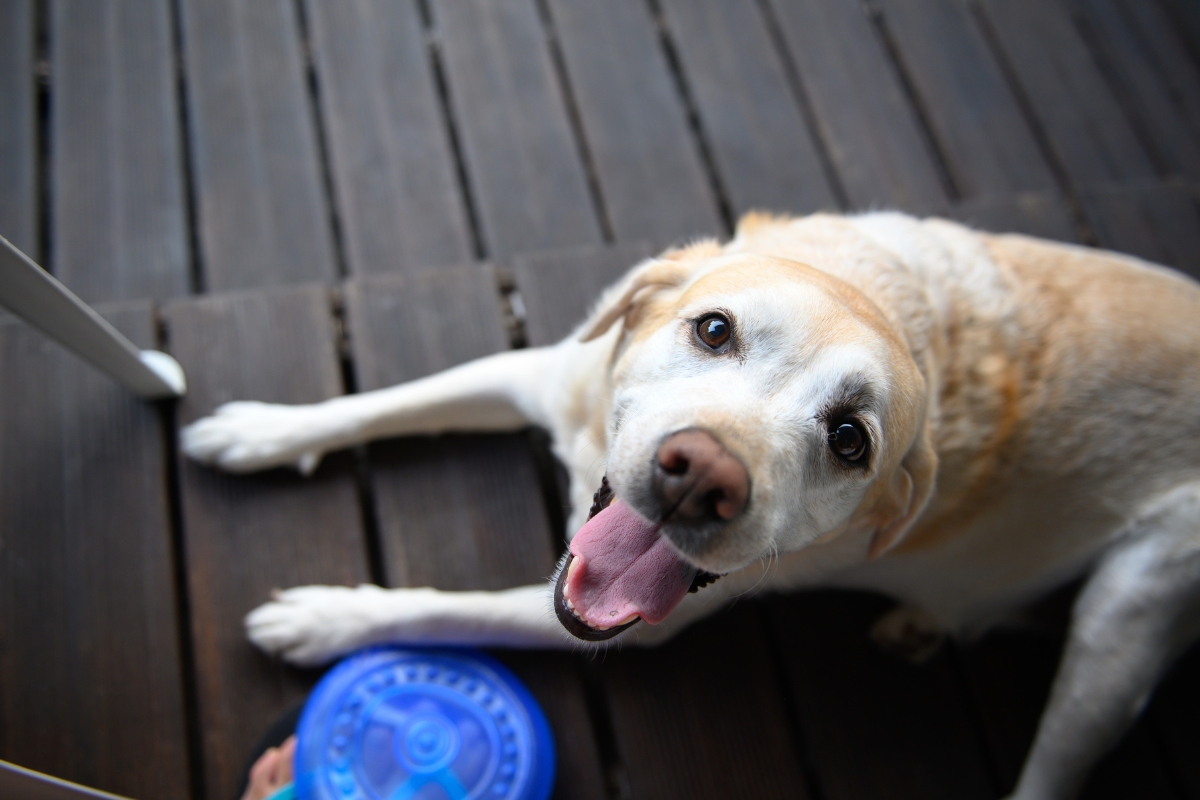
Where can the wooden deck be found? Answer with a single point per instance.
(298, 199)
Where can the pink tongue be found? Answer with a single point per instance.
(623, 567)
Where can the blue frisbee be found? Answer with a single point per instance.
(403, 723)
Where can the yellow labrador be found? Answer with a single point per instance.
(961, 420)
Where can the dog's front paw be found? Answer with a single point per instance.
(248, 436)
(311, 625)
(909, 633)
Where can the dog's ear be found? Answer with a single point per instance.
(670, 269)
(906, 495)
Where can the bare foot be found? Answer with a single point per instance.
(272, 771)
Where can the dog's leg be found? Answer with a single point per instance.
(314, 624)
(499, 393)
(1139, 608)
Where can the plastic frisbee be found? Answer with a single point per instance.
(401, 723)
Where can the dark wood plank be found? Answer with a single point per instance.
(871, 131)
(877, 726)
(261, 210)
(1175, 717)
(245, 535)
(989, 148)
(393, 172)
(1081, 118)
(18, 128)
(555, 681)
(1185, 15)
(648, 166)
(1044, 215)
(119, 217)
(559, 288)
(1154, 77)
(90, 673)
(455, 512)
(1158, 223)
(522, 160)
(1009, 677)
(703, 717)
(461, 512)
(752, 123)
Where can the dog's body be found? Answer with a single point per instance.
(960, 420)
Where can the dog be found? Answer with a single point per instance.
(961, 420)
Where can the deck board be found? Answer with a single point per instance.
(370, 155)
(464, 512)
(529, 185)
(248, 534)
(393, 169)
(560, 287)
(1152, 74)
(1160, 223)
(988, 145)
(120, 226)
(262, 214)
(455, 512)
(736, 742)
(760, 141)
(1044, 215)
(18, 128)
(859, 706)
(871, 130)
(91, 670)
(1082, 121)
(649, 171)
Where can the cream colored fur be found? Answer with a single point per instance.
(1033, 413)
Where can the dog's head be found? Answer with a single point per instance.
(759, 406)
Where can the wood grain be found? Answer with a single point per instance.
(1044, 215)
(18, 128)
(1153, 75)
(759, 140)
(393, 172)
(522, 160)
(245, 535)
(1081, 118)
(119, 217)
(702, 716)
(559, 288)
(91, 684)
(262, 214)
(1155, 222)
(989, 147)
(877, 726)
(872, 132)
(649, 169)
(463, 512)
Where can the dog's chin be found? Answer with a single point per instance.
(573, 624)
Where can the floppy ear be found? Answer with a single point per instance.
(670, 269)
(907, 495)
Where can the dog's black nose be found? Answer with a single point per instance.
(697, 480)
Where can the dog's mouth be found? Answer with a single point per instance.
(620, 570)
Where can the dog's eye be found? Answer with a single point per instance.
(848, 441)
(714, 330)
